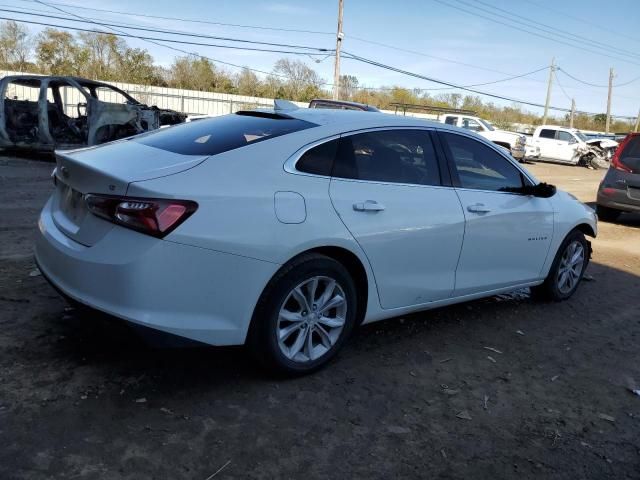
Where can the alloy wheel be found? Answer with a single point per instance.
(311, 319)
(570, 268)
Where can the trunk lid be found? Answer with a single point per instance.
(108, 169)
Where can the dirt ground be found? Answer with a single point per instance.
(421, 397)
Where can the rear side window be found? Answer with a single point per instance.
(396, 156)
(220, 134)
(546, 133)
(450, 120)
(630, 156)
(480, 167)
(319, 159)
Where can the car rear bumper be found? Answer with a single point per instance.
(618, 201)
(188, 291)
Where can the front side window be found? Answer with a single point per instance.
(319, 159)
(480, 167)
(546, 133)
(451, 120)
(471, 124)
(396, 156)
(564, 136)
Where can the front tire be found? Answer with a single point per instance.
(304, 316)
(567, 269)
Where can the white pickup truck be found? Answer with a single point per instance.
(514, 142)
(570, 145)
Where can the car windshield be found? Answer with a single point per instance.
(581, 135)
(489, 126)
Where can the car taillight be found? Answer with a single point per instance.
(615, 160)
(153, 216)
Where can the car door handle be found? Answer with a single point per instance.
(478, 208)
(368, 206)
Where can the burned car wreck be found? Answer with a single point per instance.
(46, 112)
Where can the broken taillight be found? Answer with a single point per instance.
(153, 216)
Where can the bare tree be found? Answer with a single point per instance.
(303, 83)
(15, 47)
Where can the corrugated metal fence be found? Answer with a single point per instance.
(192, 102)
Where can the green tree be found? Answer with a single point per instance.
(58, 53)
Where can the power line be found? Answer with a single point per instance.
(197, 35)
(206, 22)
(512, 77)
(152, 39)
(520, 29)
(593, 84)
(587, 22)
(179, 49)
(555, 74)
(548, 28)
(453, 85)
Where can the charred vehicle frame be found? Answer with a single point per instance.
(42, 121)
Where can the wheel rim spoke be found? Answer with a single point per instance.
(333, 303)
(331, 322)
(311, 319)
(300, 298)
(298, 344)
(325, 338)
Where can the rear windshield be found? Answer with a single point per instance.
(215, 135)
(630, 156)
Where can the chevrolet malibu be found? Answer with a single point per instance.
(284, 229)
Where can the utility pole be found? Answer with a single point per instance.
(635, 129)
(336, 66)
(546, 103)
(608, 122)
(573, 112)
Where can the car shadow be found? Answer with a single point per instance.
(626, 219)
(115, 350)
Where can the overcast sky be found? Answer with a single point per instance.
(492, 51)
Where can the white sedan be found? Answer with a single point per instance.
(284, 229)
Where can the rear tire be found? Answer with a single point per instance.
(607, 214)
(567, 269)
(304, 316)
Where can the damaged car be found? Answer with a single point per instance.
(45, 113)
(571, 146)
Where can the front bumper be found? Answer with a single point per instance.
(188, 291)
(532, 152)
(518, 152)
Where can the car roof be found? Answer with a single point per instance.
(361, 119)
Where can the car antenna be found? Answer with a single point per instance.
(279, 105)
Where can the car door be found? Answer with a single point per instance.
(546, 140)
(507, 235)
(565, 146)
(386, 187)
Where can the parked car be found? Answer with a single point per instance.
(514, 142)
(619, 190)
(569, 145)
(341, 105)
(285, 229)
(45, 113)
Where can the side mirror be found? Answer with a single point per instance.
(543, 190)
(573, 141)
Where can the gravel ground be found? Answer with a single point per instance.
(497, 388)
